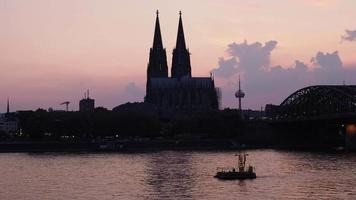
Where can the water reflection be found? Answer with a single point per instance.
(318, 174)
(170, 175)
(176, 175)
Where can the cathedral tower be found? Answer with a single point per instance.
(157, 65)
(181, 56)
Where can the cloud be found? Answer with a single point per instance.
(133, 90)
(244, 56)
(252, 56)
(300, 66)
(264, 83)
(327, 60)
(350, 35)
(227, 67)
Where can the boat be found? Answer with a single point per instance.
(240, 173)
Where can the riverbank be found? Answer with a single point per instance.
(116, 145)
(145, 145)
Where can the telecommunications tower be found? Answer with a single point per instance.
(239, 94)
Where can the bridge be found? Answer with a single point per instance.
(322, 113)
(319, 102)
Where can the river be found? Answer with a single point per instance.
(176, 175)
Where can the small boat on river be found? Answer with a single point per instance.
(240, 173)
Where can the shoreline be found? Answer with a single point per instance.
(149, 146)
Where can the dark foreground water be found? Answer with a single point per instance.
(176, 175)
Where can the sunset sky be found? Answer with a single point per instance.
(52, 51)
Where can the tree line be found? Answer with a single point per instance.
(41, 124)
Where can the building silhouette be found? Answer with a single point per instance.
(87, 104)
(181, 92)
(9, 124)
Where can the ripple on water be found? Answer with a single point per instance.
(176, 175)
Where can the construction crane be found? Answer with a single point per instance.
(66, 103)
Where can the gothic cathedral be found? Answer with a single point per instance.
(181, 92)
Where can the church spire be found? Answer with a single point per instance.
(180, 45)
(157, 64)
(157, 39)
(181, 56)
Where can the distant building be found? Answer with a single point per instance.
(253, 114)
(9, 124)
(181, 92)
(87, 104)
(271, 110)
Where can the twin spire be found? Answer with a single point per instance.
(157, 39)
(181, 57)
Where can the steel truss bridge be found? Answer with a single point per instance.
(319, 102)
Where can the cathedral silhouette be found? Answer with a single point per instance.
(181, 92)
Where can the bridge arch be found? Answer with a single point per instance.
(318, 100)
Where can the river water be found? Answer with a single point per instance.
(176, 175)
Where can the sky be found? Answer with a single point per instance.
(53, 51)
